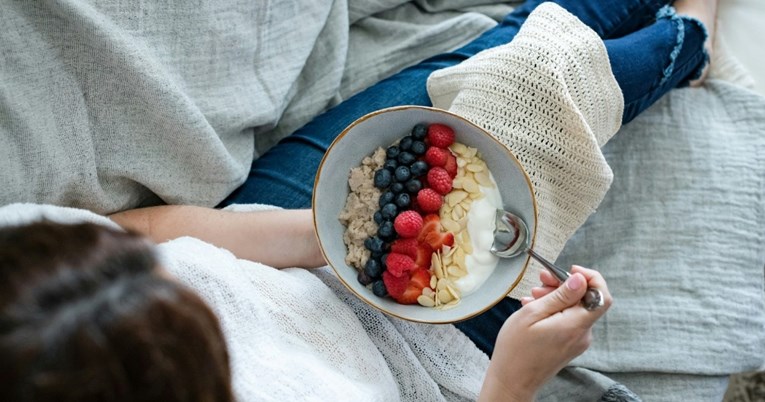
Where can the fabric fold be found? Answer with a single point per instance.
(551, 98)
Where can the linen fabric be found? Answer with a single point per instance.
(739, 157)
(143, 103)
(293, 336)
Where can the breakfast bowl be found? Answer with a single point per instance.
(383, 129)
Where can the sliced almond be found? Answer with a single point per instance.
(426, 301)
(461, 163)
(483, 179)
(459, 258)
(470, 185)
(458, 148)
(456, 272)
(455, 197)
(435, 265)
(450, 225)
(470, 152)
(474, 167)
(429, 291)
(450, 305)
(476, 196)
(454, 292)
(467, 245)
(445, 296)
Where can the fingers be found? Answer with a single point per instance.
(541, 292)
(548, 279)
(595, 280)
(566, 295)
(556, 297)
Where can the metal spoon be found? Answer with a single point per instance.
(511, 238)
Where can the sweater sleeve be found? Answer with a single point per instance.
(551, 98)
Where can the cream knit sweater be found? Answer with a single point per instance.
(551, 98)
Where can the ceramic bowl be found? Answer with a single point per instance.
(381, 129)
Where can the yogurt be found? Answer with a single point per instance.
(480, 225)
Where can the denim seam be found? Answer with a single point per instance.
(668, 12)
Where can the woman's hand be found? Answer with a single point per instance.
(539, 340)
(278, 238)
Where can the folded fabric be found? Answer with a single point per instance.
(550, 97)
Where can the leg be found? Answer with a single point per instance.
(284, 175)
(671, 53)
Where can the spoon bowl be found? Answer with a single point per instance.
(511, 239)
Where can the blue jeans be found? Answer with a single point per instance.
(668, 50)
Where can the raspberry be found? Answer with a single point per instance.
(451, 165)
(429, 200)
(405, 246)
(395, 285)
(440, 180)
(440, 135)
(408, 223)
(399, 264)
(435, 156)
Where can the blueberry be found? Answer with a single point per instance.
(419, 131)
(392, 152)
(386, 198)
(406, 158)
(385, 231)
(397, 187)
(373, 268)
(383, 178)
(378, 288)
(389, 211)
(419, 168)
(413, 186)
(402, 174)
(374, 244)
(377, 254)
(384, 260)
(364, 279)
(378, 216)
(418, 148)
(405, 144)
(390, 165)
(403, 200)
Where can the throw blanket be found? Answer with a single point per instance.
(292, 338)
(439, 363)
(112, 100)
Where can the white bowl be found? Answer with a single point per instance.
(381, 129)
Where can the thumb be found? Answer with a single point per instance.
(565, 296)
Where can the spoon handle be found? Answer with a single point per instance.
(593, 298)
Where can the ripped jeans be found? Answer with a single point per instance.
(651, 51)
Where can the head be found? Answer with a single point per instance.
(87, 315)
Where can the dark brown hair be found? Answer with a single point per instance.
(86, 315)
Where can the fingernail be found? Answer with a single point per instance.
(525, 300)
(575, 282)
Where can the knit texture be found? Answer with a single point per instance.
(551, 98)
